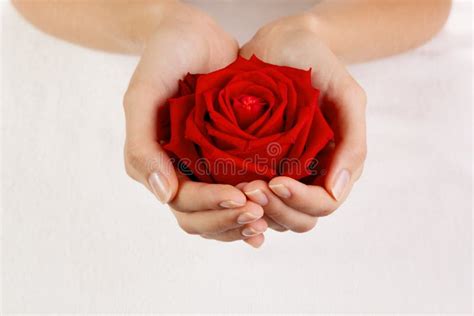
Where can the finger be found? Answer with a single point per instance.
(145, 160)
(276, 209)
(241, 185)
(218, 221)
(348, 117)
(248, 231)
(148, 164)
(197, 196)
(271, 223)
(256, 241)
(310, 199)
(274, 225)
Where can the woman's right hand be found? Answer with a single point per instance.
(186, 40)
(289, 204)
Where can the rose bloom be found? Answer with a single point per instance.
(250, 120)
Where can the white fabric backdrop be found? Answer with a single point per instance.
(79, 236)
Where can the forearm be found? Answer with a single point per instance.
(360, 30)
(112, 25)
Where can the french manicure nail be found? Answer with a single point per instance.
(230, 204)
(258, 197)
(247, 232)
(340, 184)
(246, 218)
(160, 186)
(280, 190)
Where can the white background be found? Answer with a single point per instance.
(79, 236)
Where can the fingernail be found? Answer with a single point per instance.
(247, 232)
(258, 197)
(160, 186)
(280, 190)
(340, 184)
(246, 218)
(230, 204)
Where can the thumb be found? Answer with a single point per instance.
(346, 167)
(349, 128)
(145, 159)
(148, 164)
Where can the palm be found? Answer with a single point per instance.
(172, 52)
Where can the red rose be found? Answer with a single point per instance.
(248, 121)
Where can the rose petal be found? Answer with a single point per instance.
(187, 85)
(217, 119)
(291, 129)
(236, 89)
(225, 107)
(179, 145)
(237, 169)
(163, 132)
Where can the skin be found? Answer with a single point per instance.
(187, 40)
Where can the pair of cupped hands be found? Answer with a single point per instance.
(187, 40)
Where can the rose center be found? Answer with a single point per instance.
(247, 109)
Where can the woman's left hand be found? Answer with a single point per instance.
(290, 204)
